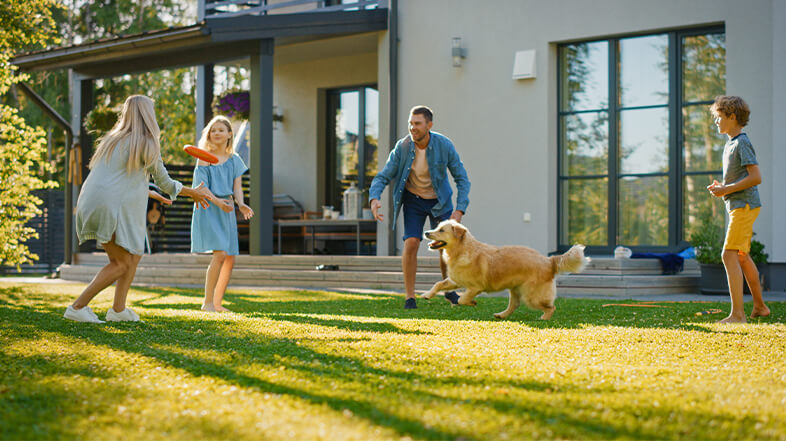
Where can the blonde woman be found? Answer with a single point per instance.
(215, 230)
(112, 204)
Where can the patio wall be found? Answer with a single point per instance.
(296, 152)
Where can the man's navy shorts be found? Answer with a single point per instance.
(416, 209)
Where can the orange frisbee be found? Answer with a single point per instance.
(201, 154)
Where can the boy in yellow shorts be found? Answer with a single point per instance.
(740, 177)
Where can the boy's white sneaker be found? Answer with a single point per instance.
(81, 315)
(126, 315)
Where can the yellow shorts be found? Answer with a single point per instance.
(740, 231)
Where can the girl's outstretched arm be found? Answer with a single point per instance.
(245, 210)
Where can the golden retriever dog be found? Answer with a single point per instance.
(480, 267)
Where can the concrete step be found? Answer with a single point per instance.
(603, 276)
(596, 266)
(194, 277)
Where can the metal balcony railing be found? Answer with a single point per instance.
(232, 8)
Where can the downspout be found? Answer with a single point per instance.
(60, 121)
(393, 75)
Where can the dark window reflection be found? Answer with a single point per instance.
(644, 71)
(585, 209)
(644, 140)
(644, 211)
(585, 76)
(586, 144)
(703, 67)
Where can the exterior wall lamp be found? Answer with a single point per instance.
(278, 118)
(458, 52)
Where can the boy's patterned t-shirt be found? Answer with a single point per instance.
(737, 154)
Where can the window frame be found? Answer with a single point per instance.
(330, 146)
(676, 173)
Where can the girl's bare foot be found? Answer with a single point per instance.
(733, 319)
(764, 311)
(220, 308)
(208, 308)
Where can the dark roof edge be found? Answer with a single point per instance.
(161, 35)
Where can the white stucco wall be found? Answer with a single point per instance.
(505, 130)
(296, 86)
(777, 177)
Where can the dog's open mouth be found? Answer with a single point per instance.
(437, 244)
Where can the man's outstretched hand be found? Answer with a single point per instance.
(375, 206)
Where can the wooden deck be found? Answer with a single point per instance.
(603, 276)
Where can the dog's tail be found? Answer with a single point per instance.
(573, 261)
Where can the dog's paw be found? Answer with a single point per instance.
(428, 295)
(465, 302)
(499, 316)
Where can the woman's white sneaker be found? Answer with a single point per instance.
(81, 315)
(126, 315)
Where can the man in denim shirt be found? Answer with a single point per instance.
(418, 167)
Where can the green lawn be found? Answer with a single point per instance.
(312, 365)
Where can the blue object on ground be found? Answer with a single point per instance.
(688, 253)
(670, 263)
(410, 304)
(452, 297)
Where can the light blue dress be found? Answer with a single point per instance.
(212, 229)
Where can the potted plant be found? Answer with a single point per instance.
(233, 104)
(707, 240)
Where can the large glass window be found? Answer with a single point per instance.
(637, 142)
(352, 141)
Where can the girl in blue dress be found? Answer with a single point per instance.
(215, 229)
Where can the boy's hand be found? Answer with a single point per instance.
(717, 189)
(246, 211)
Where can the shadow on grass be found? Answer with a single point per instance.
(326, 372)
(166, 338)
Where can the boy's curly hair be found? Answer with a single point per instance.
(732, 105)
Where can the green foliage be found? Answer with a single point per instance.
(174, 106)
(757, 251)
(319, 365)
(85, 21)
(100, 120)
(708, 239)
(23, 24)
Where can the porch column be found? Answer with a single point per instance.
(261, 150)
(81, 95)
(204, 97)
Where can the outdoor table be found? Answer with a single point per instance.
(313, 224)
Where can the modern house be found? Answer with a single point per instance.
(576, 121)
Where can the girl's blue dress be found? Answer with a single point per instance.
(212, 229)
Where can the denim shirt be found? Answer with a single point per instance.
(441, 157)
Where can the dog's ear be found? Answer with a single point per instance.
(459, 231)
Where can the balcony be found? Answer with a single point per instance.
(233, 8)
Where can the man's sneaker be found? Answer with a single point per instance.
(127, 315)
(410, 304)
(81, 315)
(452, 297)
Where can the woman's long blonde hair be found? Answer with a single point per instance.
(203, 140)
(137, 130)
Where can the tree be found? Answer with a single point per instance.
(23, 24)
(80, 21)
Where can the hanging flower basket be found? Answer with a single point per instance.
(232, 104)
